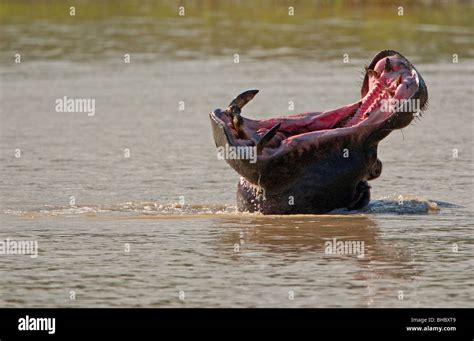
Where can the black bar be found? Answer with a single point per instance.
(74, 322)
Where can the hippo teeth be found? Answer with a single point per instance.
(389, 82)
(387, 67)
(265, 139)
(235, 108)
(371, 100)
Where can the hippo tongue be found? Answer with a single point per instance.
(307, 126)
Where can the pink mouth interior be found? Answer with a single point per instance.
(391, 86)
(387, 85)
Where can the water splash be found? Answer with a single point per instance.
(151, 209)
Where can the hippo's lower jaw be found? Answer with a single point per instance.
(319, 161)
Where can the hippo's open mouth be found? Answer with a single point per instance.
(391, 90)
(295, 146)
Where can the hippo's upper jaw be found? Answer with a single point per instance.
(319, 161)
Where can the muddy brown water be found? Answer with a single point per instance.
(145, 230)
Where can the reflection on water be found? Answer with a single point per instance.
(298, 236)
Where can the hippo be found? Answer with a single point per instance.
(316, 162)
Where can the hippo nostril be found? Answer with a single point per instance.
(376, 170)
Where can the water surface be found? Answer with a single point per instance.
(145, 228)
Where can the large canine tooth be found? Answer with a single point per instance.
(237, 123)
(235, 107)
(388, 66)
(239, 102)
(262, 142)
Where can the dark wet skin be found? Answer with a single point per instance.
(316, 162)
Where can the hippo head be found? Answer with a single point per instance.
(319, 161)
